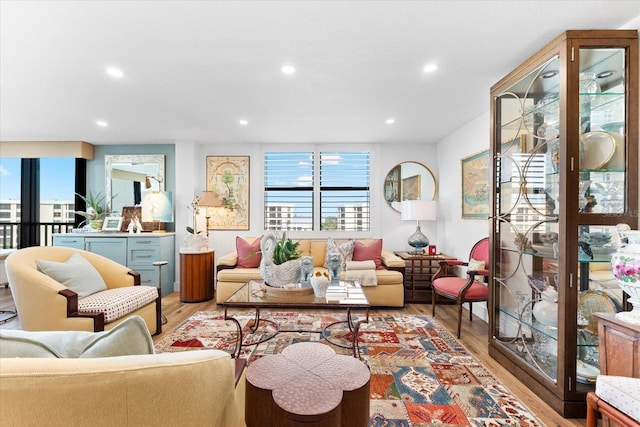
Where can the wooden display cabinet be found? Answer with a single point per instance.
(564, 144)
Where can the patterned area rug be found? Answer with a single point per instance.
(420, 374)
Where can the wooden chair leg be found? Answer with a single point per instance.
(459, 319)
(592, 412)
(470, 312)
(433, 302)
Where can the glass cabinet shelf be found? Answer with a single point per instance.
(563, 178)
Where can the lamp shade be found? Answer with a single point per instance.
(209, 198)
(157, 206)
(419, 210)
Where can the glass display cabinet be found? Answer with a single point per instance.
(564, 181)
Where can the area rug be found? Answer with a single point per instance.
(420, 374)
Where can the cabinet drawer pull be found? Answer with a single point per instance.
(146, 281)
(143, 242)
(68, 241)
(143, 256)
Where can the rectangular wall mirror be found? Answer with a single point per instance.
(127, 176)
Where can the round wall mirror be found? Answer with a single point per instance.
(409, 181)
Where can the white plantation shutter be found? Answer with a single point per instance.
(307, 190)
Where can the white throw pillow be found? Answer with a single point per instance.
(129, 337)
(76, 273)
(345, 250)
(475, 265)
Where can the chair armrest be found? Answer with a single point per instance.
(446, 268)
(389, 259)
(482, 272)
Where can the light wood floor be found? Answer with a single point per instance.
(474, 338)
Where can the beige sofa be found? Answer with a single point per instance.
(44, 304)
(389, 291)
(190, 388)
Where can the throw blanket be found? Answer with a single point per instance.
(362, 271)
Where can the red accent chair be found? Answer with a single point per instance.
(462, 289)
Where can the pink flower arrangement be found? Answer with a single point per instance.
(625, 268)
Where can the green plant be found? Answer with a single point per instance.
(97, 206)
(285, 250)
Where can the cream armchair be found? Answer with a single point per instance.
(43, 304)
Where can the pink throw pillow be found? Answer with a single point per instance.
(362, 252)
(249, 255)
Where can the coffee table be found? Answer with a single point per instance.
(252, 295)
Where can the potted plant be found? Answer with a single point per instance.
(97, 209)
(280, 264)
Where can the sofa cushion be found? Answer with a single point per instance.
(126, 338)
(344, 249)
(76, 273)
(371, 251)
(118, 302)
(249, 255)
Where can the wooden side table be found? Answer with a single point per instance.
(619, 344)
(419, 270)
(196, 275)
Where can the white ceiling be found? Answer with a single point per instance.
(194, 68)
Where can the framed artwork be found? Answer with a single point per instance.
(112, 223)
(475, 168)
(475, 185)
(392, 185)
(228, 178)
(411, 188)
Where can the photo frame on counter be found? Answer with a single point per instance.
(228, 178)
(112, 223)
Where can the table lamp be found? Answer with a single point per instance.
(157, 206)
(418, 210)
(209, 199)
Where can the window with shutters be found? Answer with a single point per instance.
(324, 190)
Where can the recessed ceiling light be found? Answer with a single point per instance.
(115, 72)
(605, 74)
(549, 74)
(102, 123)
(243, 122)
(429, 68)
(288, 69)
(390, 121)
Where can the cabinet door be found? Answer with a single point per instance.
(69, 241)
(111, 247)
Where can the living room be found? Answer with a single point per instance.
(445, 132)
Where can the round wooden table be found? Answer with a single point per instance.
(307, 384)
(196, 275)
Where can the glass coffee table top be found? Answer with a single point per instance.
(253, 294)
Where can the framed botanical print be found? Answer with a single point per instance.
(228, 178)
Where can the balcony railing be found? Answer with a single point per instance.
(10, 233)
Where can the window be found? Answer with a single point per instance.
(309, 190)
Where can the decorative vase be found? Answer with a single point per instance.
(277, 275)
(320, 285)
(546, 310)
(96, 224)
(196, 242)
(625, 265)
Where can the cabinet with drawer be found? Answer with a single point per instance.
(138, 252)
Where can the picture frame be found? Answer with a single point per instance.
(228, 178)
(112, 223)
(475, 185)
(130, 212)
(475, 170)
(411, 188)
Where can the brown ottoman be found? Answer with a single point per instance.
(307, 384)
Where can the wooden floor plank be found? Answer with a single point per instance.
(474, 338)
